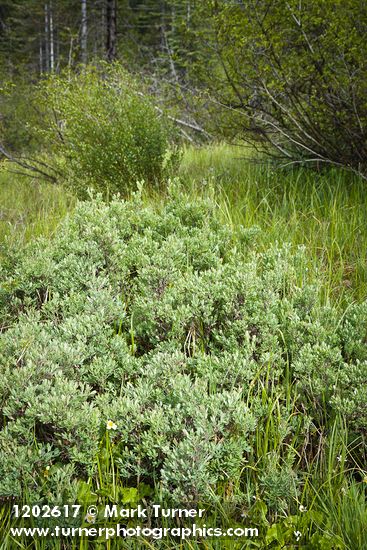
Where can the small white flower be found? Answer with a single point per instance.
(297, 534)
(339, 458)
(302, 508)
(111, 425)
(90, 518)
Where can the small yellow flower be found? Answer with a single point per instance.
(365, 479)
(111, 425)
(46, 471)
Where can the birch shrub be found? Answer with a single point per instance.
(162, 322)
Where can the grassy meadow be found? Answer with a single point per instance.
(326, 211)
(29, 207)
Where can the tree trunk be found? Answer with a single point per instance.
(84, 31)
(41, 56)
(47, 40)
(103, 29)
(111, 43)
(52, 49)
(57, 66)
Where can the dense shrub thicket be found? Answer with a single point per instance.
(104, 130)
(290, 75)
(162, 322)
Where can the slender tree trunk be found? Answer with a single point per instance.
(57, 67)
(70, 56)
(111, 43)
(103, 29)
(52, 48)
(84, 31)
(41, 56)
(96, 25)
(47, 40)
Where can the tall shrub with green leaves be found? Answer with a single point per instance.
(289, 75)
(105, 131)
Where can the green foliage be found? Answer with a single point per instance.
(18, 115)
(324, 211)
(279, 483)
(291, 75)
(29, 208)
(105, 131)
(158, 321)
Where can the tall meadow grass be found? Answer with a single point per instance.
(324, 210)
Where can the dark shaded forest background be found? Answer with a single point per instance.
(289, 77)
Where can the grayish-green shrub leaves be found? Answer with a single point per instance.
(160, 322)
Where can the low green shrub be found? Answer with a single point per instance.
(105, 131)
(162, 322)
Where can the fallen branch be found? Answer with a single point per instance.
(22, 162)
(192, 125)
(195, 127)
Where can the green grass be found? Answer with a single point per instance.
(29, 207)
(325, 211)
